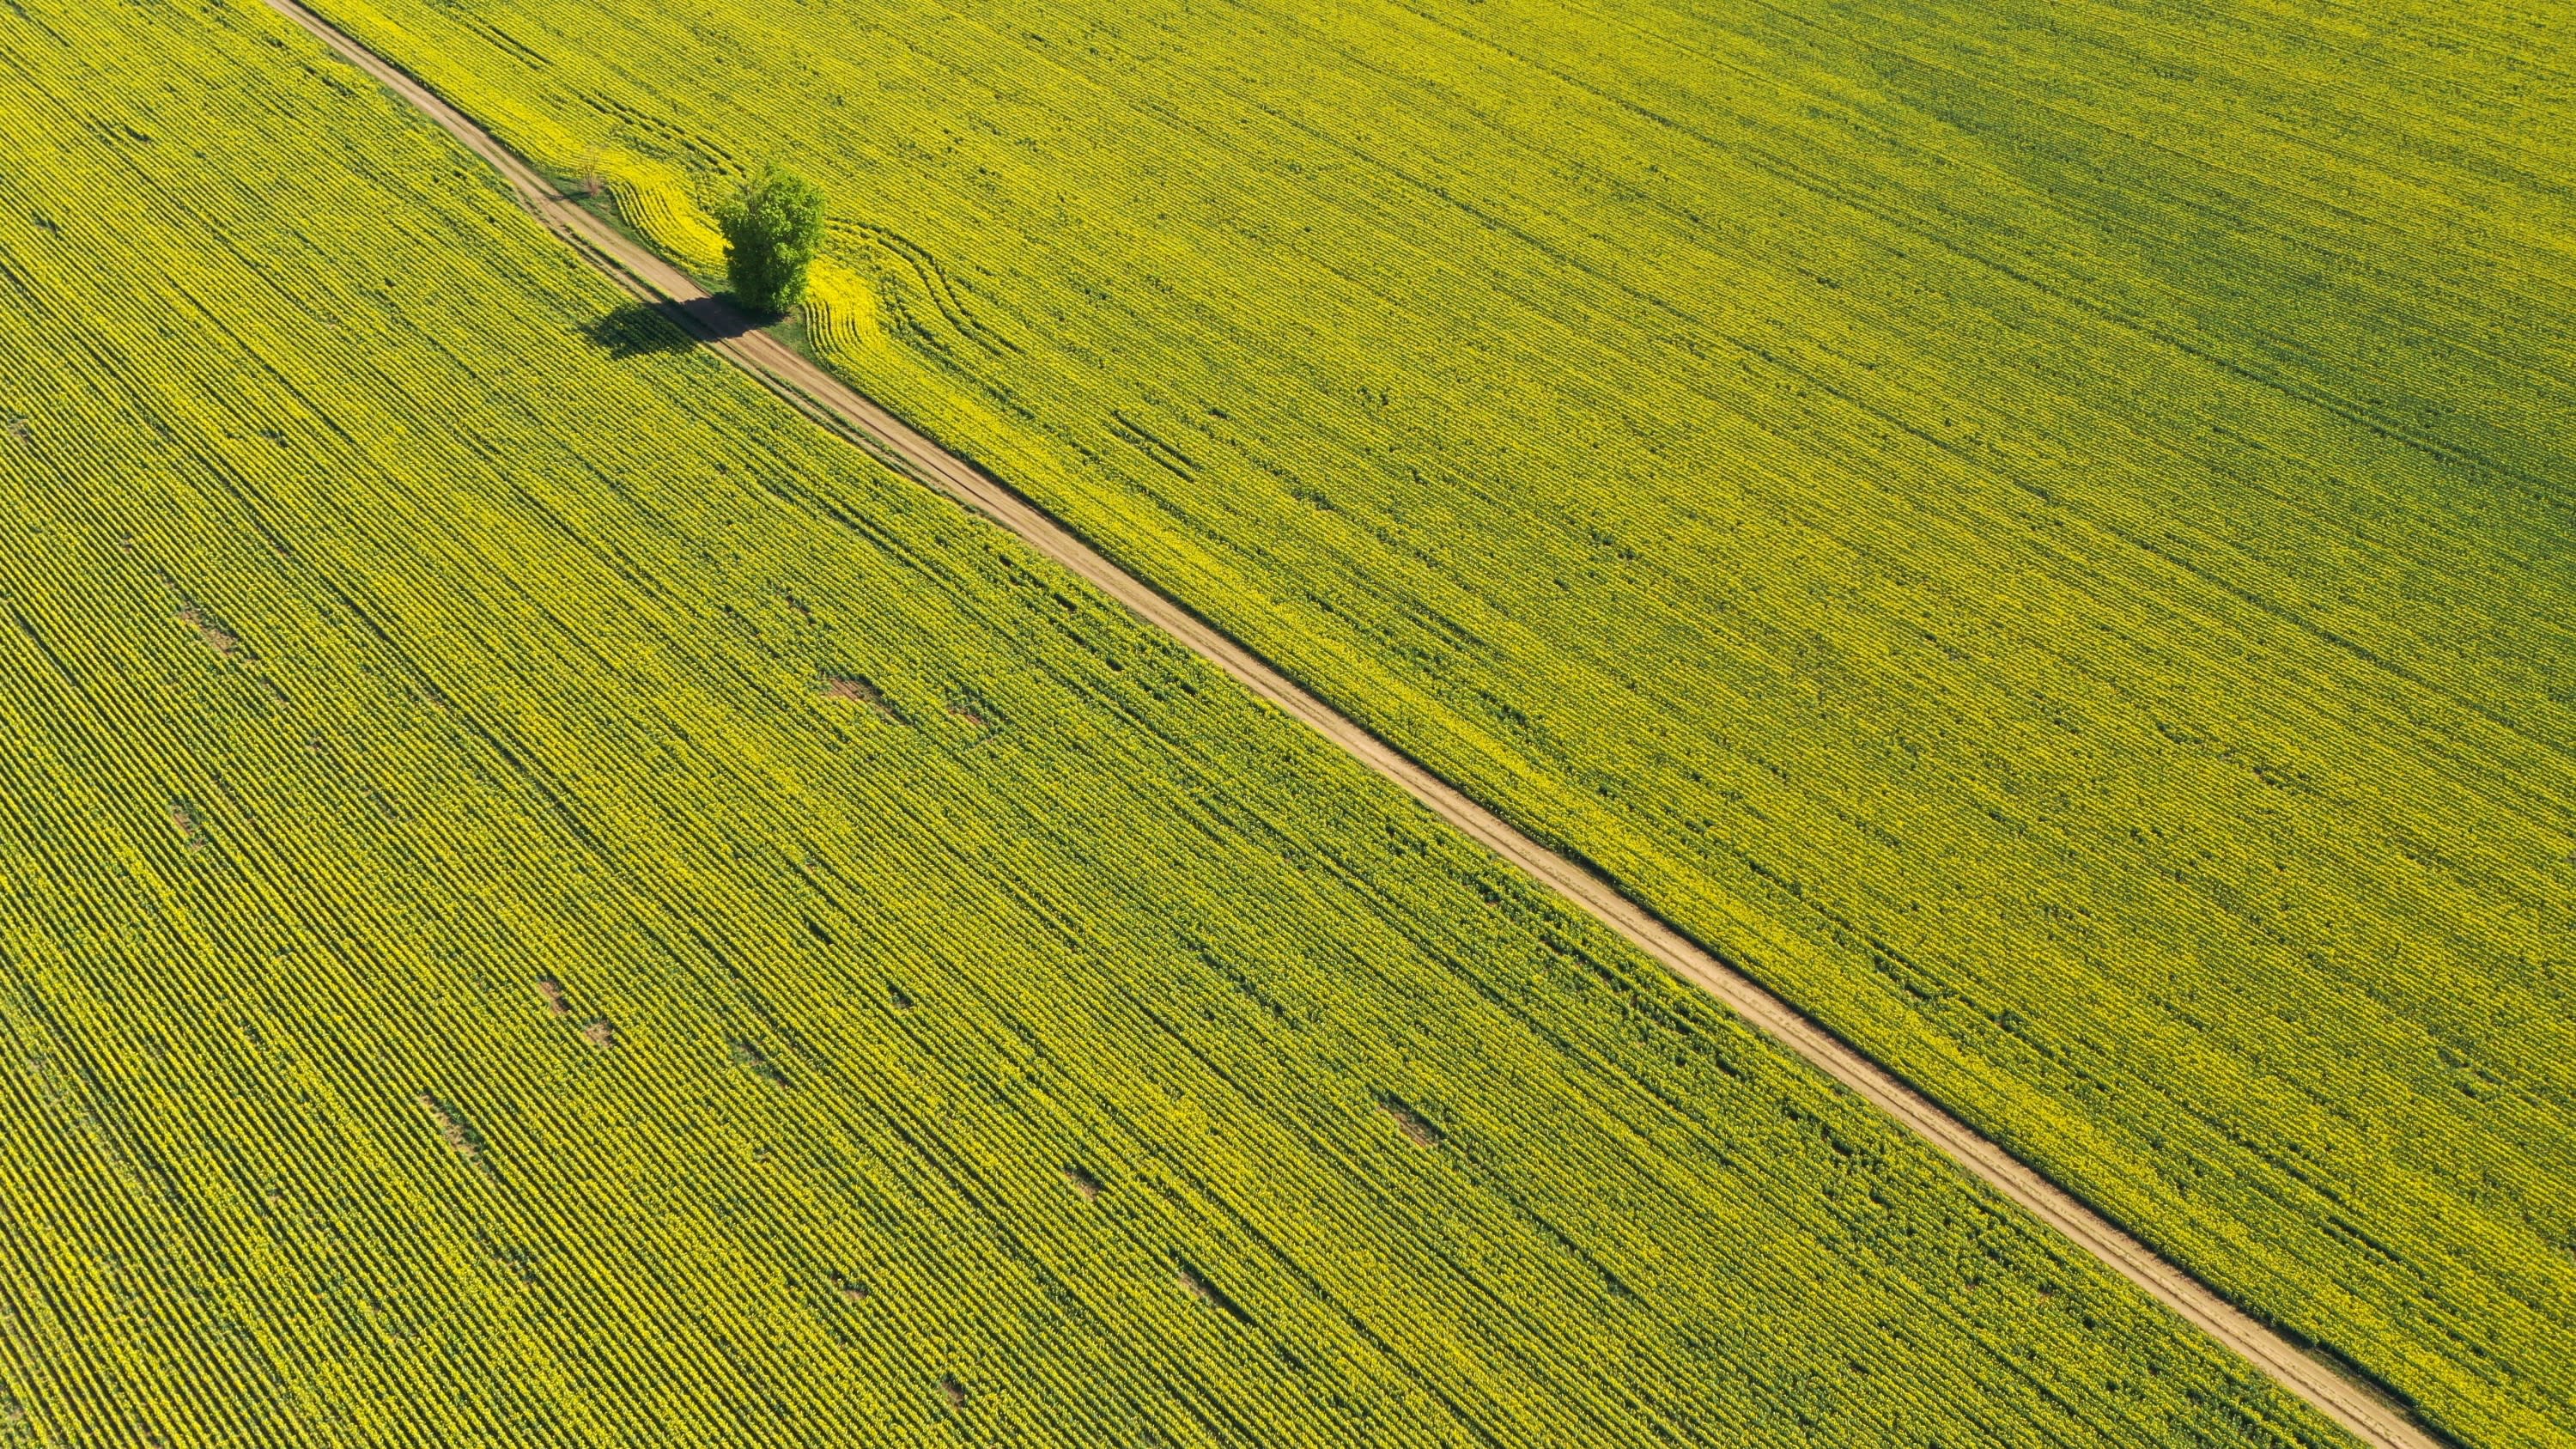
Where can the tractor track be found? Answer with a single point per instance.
(2366, 1412)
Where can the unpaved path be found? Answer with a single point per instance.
(2355, 1406)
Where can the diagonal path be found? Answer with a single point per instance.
(2368, 1414)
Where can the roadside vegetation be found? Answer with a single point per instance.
(773, 228)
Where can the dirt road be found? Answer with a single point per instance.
(2359, 1409)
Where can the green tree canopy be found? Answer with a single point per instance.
(773, 229)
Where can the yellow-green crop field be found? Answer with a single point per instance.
(2039, 527)
(546, 901)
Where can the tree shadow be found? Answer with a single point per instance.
(639, 328)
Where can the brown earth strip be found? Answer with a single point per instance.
(2358, 1407)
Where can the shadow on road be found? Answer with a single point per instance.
(639, 327)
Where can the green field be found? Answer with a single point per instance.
(2038, 527)
(545, 901)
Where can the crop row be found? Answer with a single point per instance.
(2035, 528)
(544, 900)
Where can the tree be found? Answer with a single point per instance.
(773, 229)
